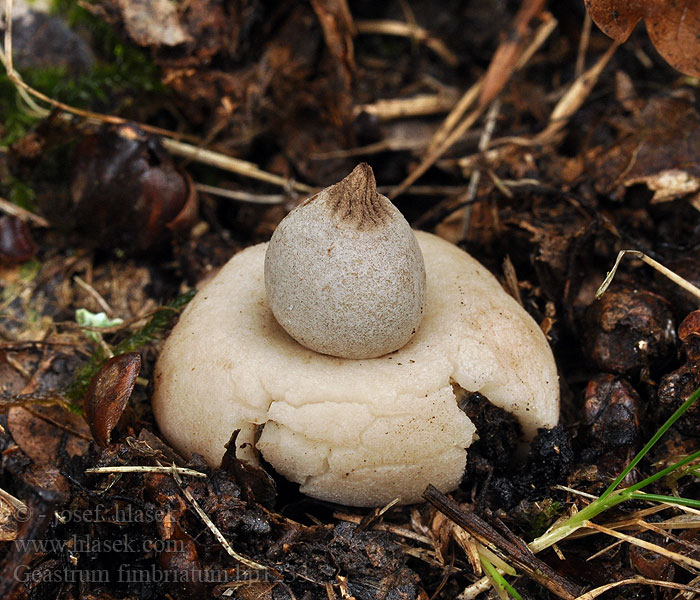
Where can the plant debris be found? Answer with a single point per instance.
(144, 143)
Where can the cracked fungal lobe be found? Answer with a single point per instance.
(358, 432)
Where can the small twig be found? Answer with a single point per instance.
(18, 345)
(665, 531)
(637, 581)
(408, 30)
(389, 144)
(676, 557)
(506, 549)
(430, 159)
(240, 195)
(36, 398)
(376, 516)
(395, 529)
(475, 589)
(457, 112)
(583, 45)
(421, 105)
(58, 424)
(19, 506)
(677, 279)
(228, 163)
(146, 469)
(22, 213)
(427, 190)
(574, 97)
(565, 488)
(436, 150)
(213, 528)
(484, 140)
(94, 293)
(8, 61)
(605, 550)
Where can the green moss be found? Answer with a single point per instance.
(16, 120)
(21, 194)
(159, 321)
(121, 66)
(123, 75)
(549, 511)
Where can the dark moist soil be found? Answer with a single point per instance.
(279, 84)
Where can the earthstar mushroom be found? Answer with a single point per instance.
(357, 431)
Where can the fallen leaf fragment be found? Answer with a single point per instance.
(672, 26)
(616, 18)
(16, 243)
(40, 431)
(153, 22)
(659, 148)
(108, 394)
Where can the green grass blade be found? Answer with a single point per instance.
(668, 499)
(660, 474)
(498, 579)
(655, 438)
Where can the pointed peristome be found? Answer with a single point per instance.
(355, 202)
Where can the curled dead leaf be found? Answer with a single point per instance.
(108, 394)
(127, 192)
(672, 26)
(16, 243)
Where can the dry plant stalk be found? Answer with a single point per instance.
(222, 161)
(476, 173)
(210, 525)
(240, 195)
(592, 594)
(22, 213)
(145, 469)
(574, 98)
(229, 163)
(677, 279)
(443, 139)
(421, 105)
(676, 557)
(408, 30)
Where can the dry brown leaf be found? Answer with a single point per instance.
(108, 394)
(616, 18)
(39, 432)
(672, 26)
(659, 149)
